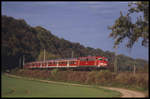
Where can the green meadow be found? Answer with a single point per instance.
(20, 87)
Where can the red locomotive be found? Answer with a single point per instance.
(81, 62)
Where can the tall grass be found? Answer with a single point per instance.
(103, 77)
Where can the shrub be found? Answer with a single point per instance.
(137, 80)
(122, 78)
(54, 72)
(103, 77)
(91, 77)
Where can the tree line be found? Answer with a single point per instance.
(21, 40)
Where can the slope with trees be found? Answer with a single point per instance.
(21, 40)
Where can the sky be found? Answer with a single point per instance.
(83, 22)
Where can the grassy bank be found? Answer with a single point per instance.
(138, 82)
(19, 87)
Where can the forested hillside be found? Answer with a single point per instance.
(21, 40)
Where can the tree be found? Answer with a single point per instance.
(48, 56)
(124, 27)
(21, 40)
(18, 39)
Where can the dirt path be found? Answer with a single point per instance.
(124, 92)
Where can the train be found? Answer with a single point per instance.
(80, 62)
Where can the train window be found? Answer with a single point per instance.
(64, 62)
(91, 59)
(106, 59)
(72, 62)
(82, 59)
(60, 62)
(44, 64)
(100, 59)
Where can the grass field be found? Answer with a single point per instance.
(19, 87)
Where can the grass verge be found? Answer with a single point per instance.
(22, 87)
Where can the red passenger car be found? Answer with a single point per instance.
(81, 62)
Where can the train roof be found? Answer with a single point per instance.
(65, 59)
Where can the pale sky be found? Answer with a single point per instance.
(83, 22)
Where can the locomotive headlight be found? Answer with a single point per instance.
(100, 64)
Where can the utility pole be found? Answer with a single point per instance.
(20, 62)
(44, 54)
(134, 69)
(23, 60)
(72, 54)
(115, 62)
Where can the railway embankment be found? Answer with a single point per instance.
(126, 80)
(124, 92)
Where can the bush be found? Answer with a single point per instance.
(91, 77)
(137, 80)
(54, 72)
(103, 77)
